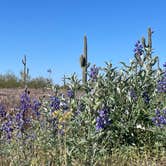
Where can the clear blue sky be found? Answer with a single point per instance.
(50, 33)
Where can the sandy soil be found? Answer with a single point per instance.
(10, 97)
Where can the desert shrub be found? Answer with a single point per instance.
(38, 82)
(9, 80)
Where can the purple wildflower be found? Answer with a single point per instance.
(157, 112)
(7, 127)
(2, 111)
(160, 118)
(19, 120)
(55, 103)
(161, 86)
(70, 93)
(146, 97)
(22, 117)
(36, 106)
(94, 72)
(23, 113)
(25, 101)
(138, 48)
(133, 94)
(102, 119)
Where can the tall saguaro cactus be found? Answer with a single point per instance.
(25, 72)
(148, 50)
(148, 47)
(84, 61)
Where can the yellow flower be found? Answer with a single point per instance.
(67, 115)
(55, 113)
(61, 119)
(60, 126)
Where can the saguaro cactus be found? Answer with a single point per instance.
(148, 47)
(84, 61)
(25, 72)
(64, 80)
(149, 50)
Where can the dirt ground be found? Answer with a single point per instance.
(10, 97)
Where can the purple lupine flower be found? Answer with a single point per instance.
(22, 114)
(102, 119)
(160, 118)
(19, 121)
(94, 72)
(99, 123)
(133, 94)
(36, 106)
(146, 97)
(102, 113)
(70, 93)
(19, 116)
(22, 119)
(161, 86)
(164, 111)
(55, 103)
(25, 101)
(157, 112)
(2, 111)
(7, 127)
(138, 48)
(154, 120)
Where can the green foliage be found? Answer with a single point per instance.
(10, 80)
(39, 82)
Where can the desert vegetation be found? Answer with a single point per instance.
(10, 80)
(110, 117)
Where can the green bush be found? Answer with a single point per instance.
(9, 80)
(39, 82)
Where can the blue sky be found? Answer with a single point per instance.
(50, 33)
